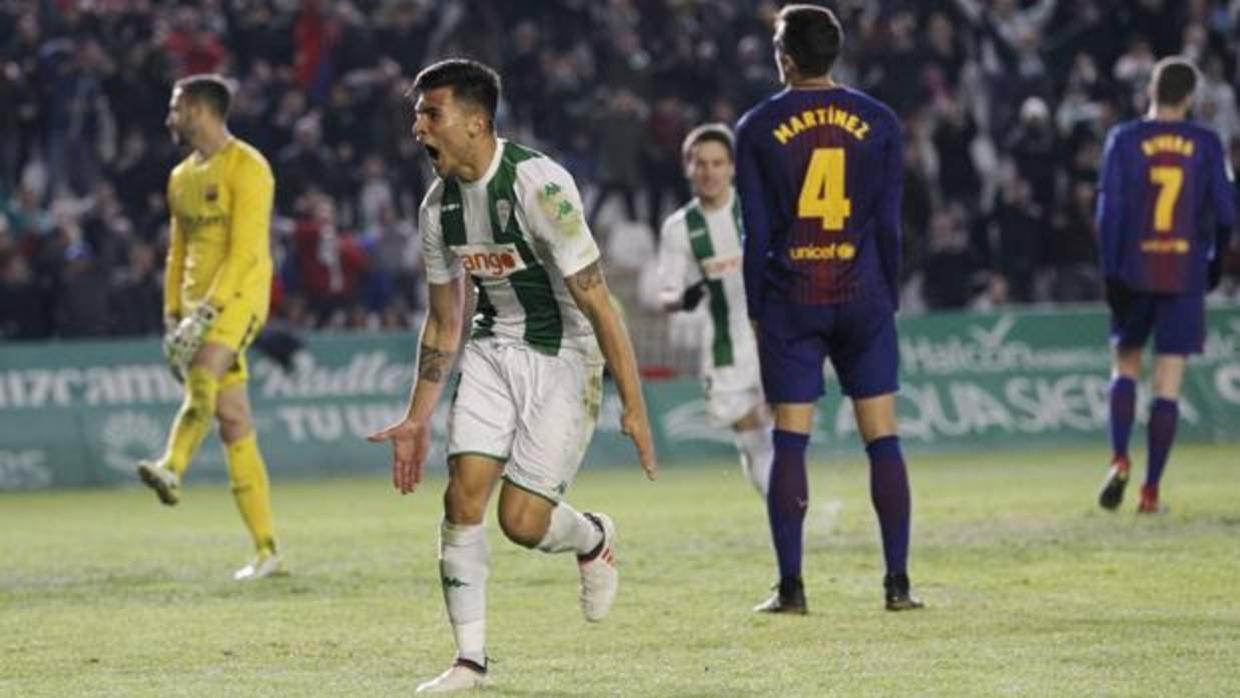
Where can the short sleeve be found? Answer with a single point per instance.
(441, 265)
(551, 206)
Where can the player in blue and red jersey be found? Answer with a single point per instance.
(819, 175)
(1165, 215)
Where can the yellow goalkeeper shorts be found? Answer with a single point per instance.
(235, 328)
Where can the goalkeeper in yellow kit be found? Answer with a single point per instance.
(216, 295)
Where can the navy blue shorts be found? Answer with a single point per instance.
(1178, 321)
(859, 338)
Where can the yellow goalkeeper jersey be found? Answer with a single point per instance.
(219, 247)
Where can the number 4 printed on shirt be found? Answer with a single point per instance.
(822, 193)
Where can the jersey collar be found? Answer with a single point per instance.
(492, 168)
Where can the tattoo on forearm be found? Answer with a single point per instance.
(589, 277)
(433, 364)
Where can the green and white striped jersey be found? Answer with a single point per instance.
(518, 231)
(697, 244)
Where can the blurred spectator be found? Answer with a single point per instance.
(374, 196)
(952, 272)
(23, 307)
(1073, 253)
(662, 169)
(1216, 100)
(393, 253)
(191, 46)
(617, 132)
(953, 138)
(1018, 242)
(82, 308)
(137, 294)
(305, 165)
(328, 264)
(139, 177)
(1032, 145)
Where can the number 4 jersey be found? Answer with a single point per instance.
(518, 231)
(820, 175)
(1165, 205)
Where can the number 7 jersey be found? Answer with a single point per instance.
(1164, 206)
(819, 173)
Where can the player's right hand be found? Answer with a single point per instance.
(637, 427)
(411, 442)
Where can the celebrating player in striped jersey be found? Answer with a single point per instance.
(531, 375)
(1165, 214)
(700, 256)
(216, 295)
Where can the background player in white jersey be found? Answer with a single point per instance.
(700, 256)
(531, 373)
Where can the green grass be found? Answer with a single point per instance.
(1031, 590)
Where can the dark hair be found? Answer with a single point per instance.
(210, 89)
(1175, 79)
(470, 81)
(717, 132)
(812, 38)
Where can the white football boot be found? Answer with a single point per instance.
(458, 677)
(166, 484)
(599, 577)
(261, 567)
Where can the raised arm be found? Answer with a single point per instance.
(589, 291)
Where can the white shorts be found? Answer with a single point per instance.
(733, 391)
(531, 411)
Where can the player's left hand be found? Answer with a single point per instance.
(187, 337)
(411, 442)
(636, 426)
(171, 355)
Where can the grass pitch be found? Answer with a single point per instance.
(1031, 590)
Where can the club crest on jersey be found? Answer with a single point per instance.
(503, 211)
(212, 193)
(490, 261)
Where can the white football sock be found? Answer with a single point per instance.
(464, 564)
(757, 454)
(570, 530)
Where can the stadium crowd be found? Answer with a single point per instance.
(1005, 105)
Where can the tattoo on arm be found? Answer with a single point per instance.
(588, 278)
(433, 364)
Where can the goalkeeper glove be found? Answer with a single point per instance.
(693, 295)
(171, 322)
(187, 337)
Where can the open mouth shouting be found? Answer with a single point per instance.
(432, 152)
